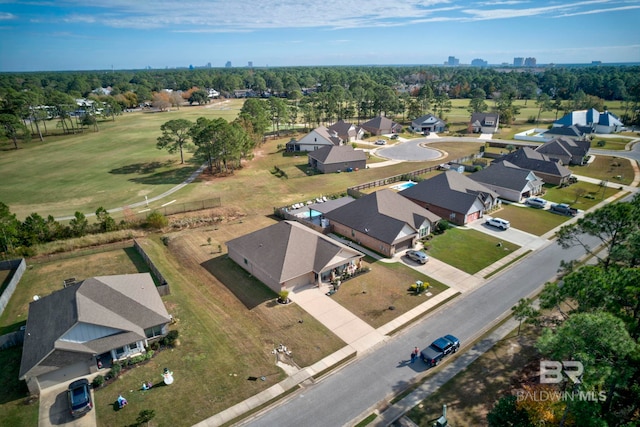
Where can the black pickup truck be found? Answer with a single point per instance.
(563, 209)
(438, 349)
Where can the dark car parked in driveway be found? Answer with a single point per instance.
(440, 348)
(79, 396)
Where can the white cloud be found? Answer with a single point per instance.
(231, 16)
(5, 16)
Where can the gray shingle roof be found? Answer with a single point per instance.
(337, 154)
(503, 174)
(382, 215)
(449, 190)
(527, 158)
(288, 249)
(565, 147)
(127, 304)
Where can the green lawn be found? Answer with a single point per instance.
(15, 407)
(531, 220)
(610, 143)
(468, 250)
(605, 168)
(582, 195)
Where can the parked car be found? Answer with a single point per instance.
(380, 142)
(536, 202)
(499, 223)
(440, 348)
(394, 136)
(79, 397)
(417, 256)
(563, 209)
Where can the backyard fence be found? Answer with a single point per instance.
(17, 266)
(356, 193)
(163, 289)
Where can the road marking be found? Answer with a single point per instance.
(168, 203)
(144, 210)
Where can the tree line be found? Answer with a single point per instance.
(319, 94)
(591, 315)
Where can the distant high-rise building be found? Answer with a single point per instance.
(530, 62)
(479, 63)
(452, 61)
(250, 64)
(518, 62)
(208, 64)
(228, 64)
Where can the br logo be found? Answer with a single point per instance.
(551, 371)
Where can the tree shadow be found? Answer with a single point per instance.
(173, 176)
(140, 168)
(249, 290)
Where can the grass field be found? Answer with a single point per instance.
(370, 295)
(612, 169)
(468, 250)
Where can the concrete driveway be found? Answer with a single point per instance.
(513, 235)
(54, 410)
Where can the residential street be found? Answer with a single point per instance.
(344, 397)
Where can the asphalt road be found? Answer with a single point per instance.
(349, 394)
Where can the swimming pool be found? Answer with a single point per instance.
(308, 214)
(404, 185)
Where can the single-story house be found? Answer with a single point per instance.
(381, 126)
(550, 171)
(604, 122)
(453, 196)
(484, 123)
(509, 181)
(383, 221)
(319, 137)
(288, 254)
(346, 131)
(567, 150)
(428, 123)
(337, 158)
(95, 321)
(573, 131)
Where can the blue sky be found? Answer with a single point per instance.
(131, 34)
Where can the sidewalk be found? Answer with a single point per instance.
(361, 337)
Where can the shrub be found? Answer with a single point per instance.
(97, 381)
(443, 225)
(601, 143)
(149, 354)
(157, 220)
(171, 338)
(115, 370)
(283, 296)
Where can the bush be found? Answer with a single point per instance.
(443, 225)
(283, 296)
(170, 339)
(116, 368)
(157, 220)
(97, 381)
(601, 143)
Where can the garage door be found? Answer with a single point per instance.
(63, 375)
(401, 246)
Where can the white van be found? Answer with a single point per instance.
(499, 223)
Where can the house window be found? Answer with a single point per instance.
(120, 352)
(489, 122)
(353, 233)
(246, 261)
(153, 331)
(423, 231)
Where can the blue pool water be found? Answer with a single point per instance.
(404, 185)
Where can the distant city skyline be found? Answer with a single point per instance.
(120, 34)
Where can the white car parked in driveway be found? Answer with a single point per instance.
(499, 223)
